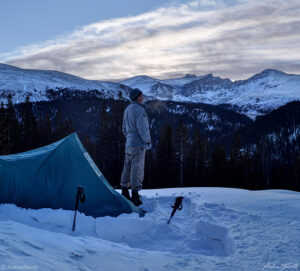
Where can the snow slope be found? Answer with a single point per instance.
(218, 229)
(21, 82)
(266, 91)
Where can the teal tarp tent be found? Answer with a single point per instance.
(48, 177)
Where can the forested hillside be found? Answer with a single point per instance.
(193, 144)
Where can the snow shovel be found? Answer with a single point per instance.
(79, 197)
(177, 205)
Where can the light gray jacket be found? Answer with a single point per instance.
(136, 126)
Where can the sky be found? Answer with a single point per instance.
(117, 39)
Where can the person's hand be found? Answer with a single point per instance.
(148, 146)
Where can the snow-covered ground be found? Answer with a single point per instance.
(217, 229)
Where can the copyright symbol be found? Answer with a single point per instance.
(3, 267)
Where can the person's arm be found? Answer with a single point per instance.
(142, 125)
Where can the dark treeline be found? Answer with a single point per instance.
(21, 130)
(181, 155)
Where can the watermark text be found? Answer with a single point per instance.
(5, 267)
(285, 266)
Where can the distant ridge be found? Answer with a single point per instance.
(256, 95)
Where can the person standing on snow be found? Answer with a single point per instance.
(138, 140)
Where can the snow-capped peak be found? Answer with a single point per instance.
(260, 93)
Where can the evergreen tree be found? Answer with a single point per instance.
(149, 170)
(87, 143)
(110, 141)
(165, 175)
(196, 161)
(181, 149)
(30, 136)
(295, 174)
(102, 150)
(3, 131)
(247, 161)
(48, 130)
(60, 125)
(45, 130)
(118, 108)
(236, 163)
(13, 128)
(219, 168)
(262, 152)
(256, 178)
(68, 127)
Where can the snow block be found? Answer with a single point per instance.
(216, 235)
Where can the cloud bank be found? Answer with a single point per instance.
(197, 37)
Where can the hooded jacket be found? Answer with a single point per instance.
(136, 126)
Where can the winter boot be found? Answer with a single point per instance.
(136, 199)
(125, 193)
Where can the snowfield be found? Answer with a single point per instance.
(217, 229)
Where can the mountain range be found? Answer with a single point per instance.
(208, 113)
(254, 96)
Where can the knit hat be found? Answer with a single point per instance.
(135, 93)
